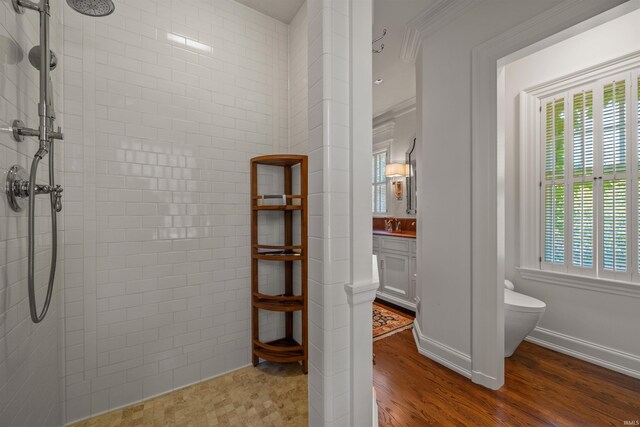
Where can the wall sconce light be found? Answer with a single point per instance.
(394, 171)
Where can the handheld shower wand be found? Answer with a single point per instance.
(20, 186)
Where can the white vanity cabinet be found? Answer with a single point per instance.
(397, 268)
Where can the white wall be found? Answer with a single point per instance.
(30, 362)
(444, 205)
(166, 104)
(605, 320)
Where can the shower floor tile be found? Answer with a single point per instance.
(268, 395)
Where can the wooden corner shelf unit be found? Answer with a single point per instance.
(286, 349)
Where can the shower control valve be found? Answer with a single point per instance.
(57, 198)
(17, 188)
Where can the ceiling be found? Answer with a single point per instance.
(282, 10)
(399, 77)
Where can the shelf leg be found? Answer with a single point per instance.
(288, 240)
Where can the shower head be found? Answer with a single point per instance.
(95, 8)
(34, 58)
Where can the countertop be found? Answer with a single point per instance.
(405, 234)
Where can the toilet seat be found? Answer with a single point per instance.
(523, 303)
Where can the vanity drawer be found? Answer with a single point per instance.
(376, 242)
(399, 245)
(413, 247)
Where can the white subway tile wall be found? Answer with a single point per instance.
(30, 355)
(329, 209)
(298, 81)
(165, 104)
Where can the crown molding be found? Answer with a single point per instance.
(432, 20)
(383, 133)
(394, 112)
(385, 127)
(411, 43)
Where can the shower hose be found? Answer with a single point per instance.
(56, 207)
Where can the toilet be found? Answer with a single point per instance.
(521, 315)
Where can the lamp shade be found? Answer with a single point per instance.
(395, 170)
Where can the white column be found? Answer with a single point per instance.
(361, 291)
(339, 213)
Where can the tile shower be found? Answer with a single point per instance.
(162, 104)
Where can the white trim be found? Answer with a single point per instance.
(382, 146)
(126, 405)
(362, 283)
(384, 131)
(600, 355)
(361, 293)
(395, 300)
(411, 42)
(375, 409)
(487, 256)
(430, 21)
(436, 17)
(529, 145)
(400, 109)
(441, 353)
(595, 284)
(588, 75)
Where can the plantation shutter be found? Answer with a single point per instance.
(554, 186)
(590, 178)
(379, 183)
(614, 177)
(582, 231)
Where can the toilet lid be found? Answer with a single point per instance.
(519, 302)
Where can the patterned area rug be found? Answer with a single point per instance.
(387, 322)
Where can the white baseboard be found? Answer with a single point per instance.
(441, 353)
(486, 380)
(374, 416)
(395, 300)
(616, 360)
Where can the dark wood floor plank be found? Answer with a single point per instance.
(542, 388)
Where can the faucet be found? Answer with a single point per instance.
(388, 224)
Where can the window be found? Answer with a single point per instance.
(379, 182)
(589, 178)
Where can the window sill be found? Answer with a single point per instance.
(582, 282)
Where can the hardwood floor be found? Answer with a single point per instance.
(542, 387)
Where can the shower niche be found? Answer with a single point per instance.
(288, 215)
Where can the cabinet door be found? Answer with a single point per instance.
(395, 275)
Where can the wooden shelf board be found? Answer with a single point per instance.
(278, 297)
(267, 257)
(282, 350)
(277, 196)
(278, 208)
(279, 305)
(279, 159)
